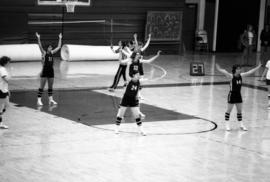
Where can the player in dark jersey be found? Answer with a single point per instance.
(122, 67)
(130, 99)
(234, 96)
(139, 49)
(47, 73)
(133, 69)
(136, 65)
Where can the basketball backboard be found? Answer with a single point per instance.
(63, 2)
(70, 4)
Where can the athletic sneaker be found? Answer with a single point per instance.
(228, 128)
(2, 126)
(141, 131)
(39, 103)
(116, 130)
(51, 101)
(243, 128)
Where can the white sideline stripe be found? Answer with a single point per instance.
(64, 22)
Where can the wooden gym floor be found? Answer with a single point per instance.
(186, 140)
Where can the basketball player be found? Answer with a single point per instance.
(130, 100)
(267, 73)
(4, 92)
(135, 67)
(234, 97)
(139, 47)
(122, 67)
(47, 74)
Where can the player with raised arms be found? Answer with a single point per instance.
(47, 73)
(234, 96)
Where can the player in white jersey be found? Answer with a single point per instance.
(4, 91)
(266, 74)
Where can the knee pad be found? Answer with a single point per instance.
(227, 116)
(118, 120)
(239, 116)
(138, 121)
(50, 92)
(40, 91)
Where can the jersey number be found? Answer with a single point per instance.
(238, 82)
(134, 87)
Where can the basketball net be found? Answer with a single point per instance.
(70, 5)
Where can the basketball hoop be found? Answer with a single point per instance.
(70, 5)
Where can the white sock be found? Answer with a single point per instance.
(39, 101)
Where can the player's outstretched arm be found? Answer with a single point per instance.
(264, 73)
(39, 43)
(223, 71)
(127, 52)
(250, 72)
(127, 72)
(135, 40)
(59, 44)
(147, 43)
(151, 59)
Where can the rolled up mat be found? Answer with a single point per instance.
(87, 52)
(21, 52)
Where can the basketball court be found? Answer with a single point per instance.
(186, 138)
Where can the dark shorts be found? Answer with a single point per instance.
(3, 94)
(234, 98)
(47, 73)
(267, 82)
(129, 102)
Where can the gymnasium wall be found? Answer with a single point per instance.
(232, 21)
(129, 17)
